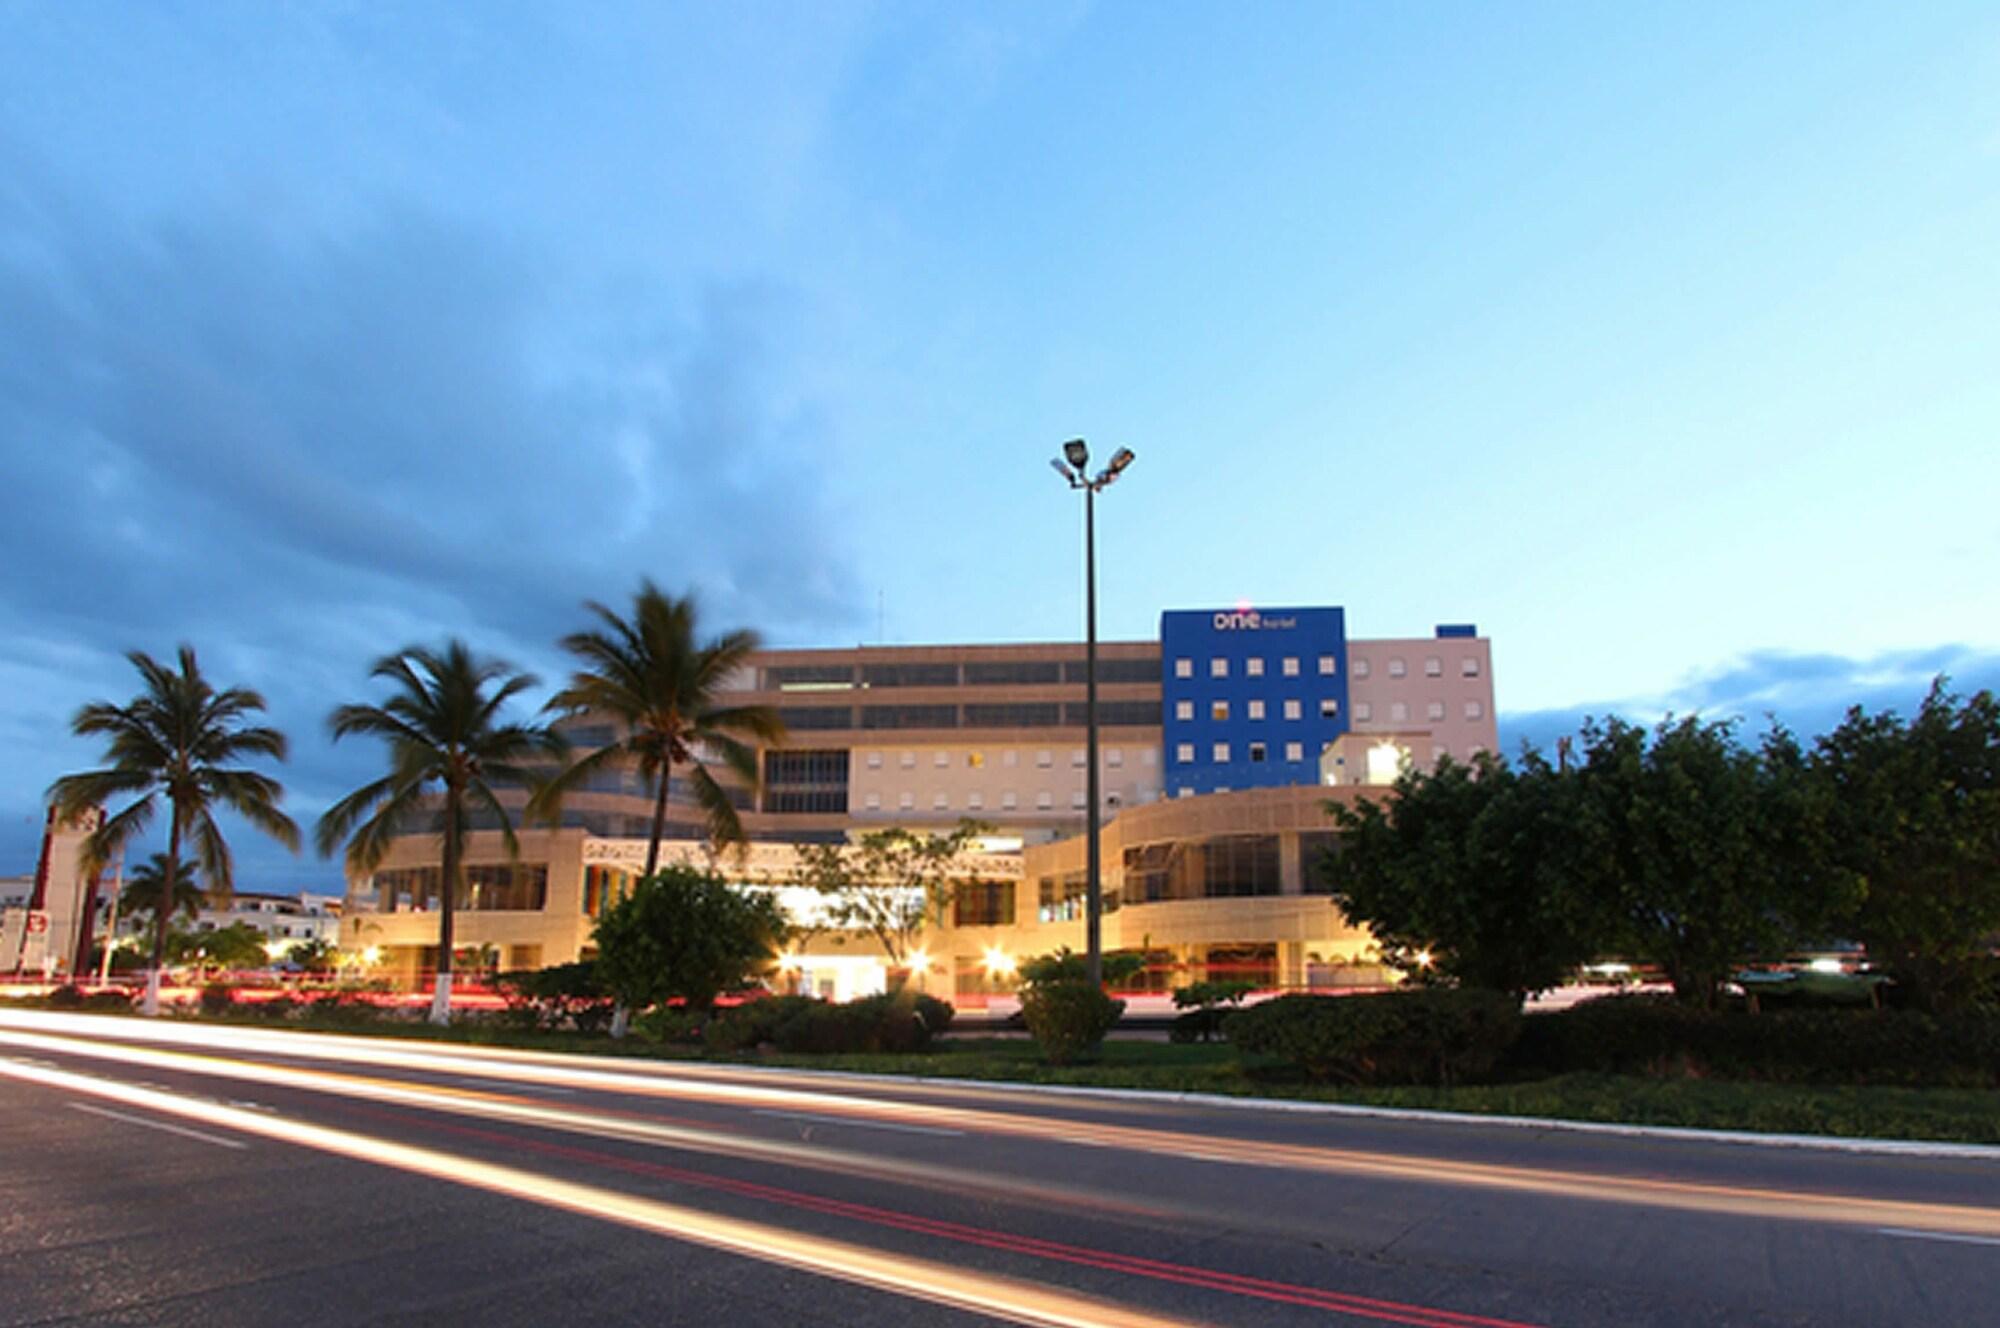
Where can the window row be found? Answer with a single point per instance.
(1398, 667)
(1253, 667)
(1257, 753)
(1045, 759)
(1009, 800)
(974, 673)
(1290, 708)
(1399, 711)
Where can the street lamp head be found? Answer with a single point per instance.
(1063, 470)
(1076, 453)
(1119, 460)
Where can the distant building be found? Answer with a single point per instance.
(284, 919)
(1221, 744)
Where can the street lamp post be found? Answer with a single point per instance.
(1073, 466)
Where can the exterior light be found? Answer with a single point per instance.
(787, 961)
(1119, 460)
(1076, 453)
(372, 955)
(919, 960)
(1424, 959)
(997, 961)
(1826, 965)
(275, 949)
(1062, 470)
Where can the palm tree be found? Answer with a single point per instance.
(445, 739)
(663, 691)
(149, 883)
(174, 739)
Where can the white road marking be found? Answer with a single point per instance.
(858, 1124)
(181, 1130)
(514, 1087)
(1906, 1233)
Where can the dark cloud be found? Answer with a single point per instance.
(1808, 693)
(301, 447)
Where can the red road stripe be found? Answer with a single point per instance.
(1340, 1302)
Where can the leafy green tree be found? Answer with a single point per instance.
(1484, 874)
(685, 934)
(1711, 846)
(449, 754)
(148, 884)
(177, 740)
(1914, 821)
(663, 688)
(892, 884)
(313, 955)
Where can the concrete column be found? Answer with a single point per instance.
(1291, 875)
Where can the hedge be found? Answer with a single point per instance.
(1424, 1035)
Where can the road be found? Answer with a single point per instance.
(167, 1173)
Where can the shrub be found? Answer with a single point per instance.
(65, 998)
(1437, 1035)
(1655, 1036)
(216, 998)
(753, 1023)
(1069, 1017)
(671, 1026)
(341, 1009)
(562, 995)
(894, 1022)
(1204, 1002)
(1203, 1025)
(109, 1001)
(277, 1009)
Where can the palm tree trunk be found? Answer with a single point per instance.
(659, 818)
(163, 918)
(447, 894)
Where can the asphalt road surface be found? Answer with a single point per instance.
(165, 1173)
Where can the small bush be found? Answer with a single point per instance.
(216, 998)
(1202, 1025)
(108, 1001)
(1433, 1035)
(1069, 1017)
(277, 1009)
(560, 996)
(65, 998)
(1660, 1037)
(753, 1023)
(671, 1026)
(341, 1009)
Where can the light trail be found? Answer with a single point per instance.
(999, 1298)
(668, 1082)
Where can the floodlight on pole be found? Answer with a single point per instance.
(1077, 453)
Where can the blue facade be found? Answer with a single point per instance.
(1220, 667)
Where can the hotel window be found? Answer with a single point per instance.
(1256, 710)
(1183, 710)
(906, 801)
(873, 802)
(1397, 668)
(1044, 800)
(1008, 801)
(1222, 788)
(1293, 710)
(1295, 751)
(1289, 666)
(974, 801)
(874, 760)
(941, 802)
(941, 760)
(1076, 801)
(1474, 710)
(1183, 792)
(1254, 666)
(1363, 712)
(1045, 758)
(1219, 711)
(1184, 753)
(1115, 758)
(1360, 667)
(908, 761)
(1326, 666)
(1433, 667)
(1434, 711)
(1010, 758)
(1078, 757)
(1257, 751)
(1220, 753)
(1469, 667)
(1398, 712)
(1218, 667)
(1329, 708)
(1184, 668)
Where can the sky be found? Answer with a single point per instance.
(1659, 342)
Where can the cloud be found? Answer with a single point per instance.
(302, 447)
(1808, 693)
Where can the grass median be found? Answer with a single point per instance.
(1876, 1112)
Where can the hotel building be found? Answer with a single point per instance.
(1220, 745)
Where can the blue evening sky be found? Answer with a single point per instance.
(1660, 341)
